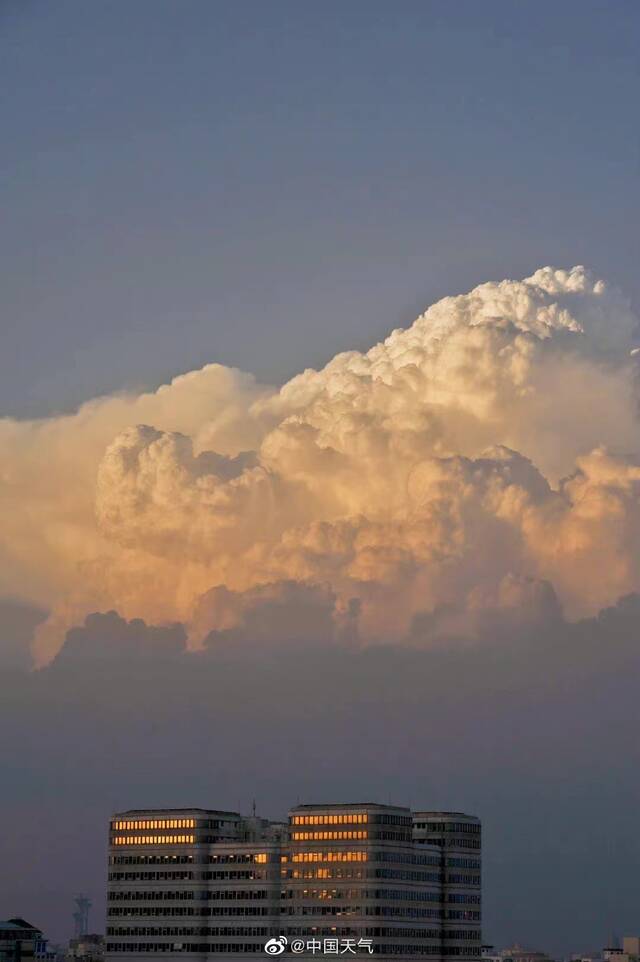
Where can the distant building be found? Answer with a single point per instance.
(81, 915)
(516, 953)
(87, 948)
(336, 879)
(630, 951)
(489, 954)
(21, 940)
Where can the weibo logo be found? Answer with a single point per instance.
(276, 946)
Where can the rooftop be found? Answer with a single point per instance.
(472, 818)
(318, 806)
(174, 811)
(18, 924)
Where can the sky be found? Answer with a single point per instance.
(319, 452)
(268, 184)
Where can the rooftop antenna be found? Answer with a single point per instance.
(253, 808)
(81, 915)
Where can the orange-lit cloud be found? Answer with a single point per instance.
(486, 457)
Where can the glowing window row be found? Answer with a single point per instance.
(329, 857)
(321, 836)
(360, 818)
(154, 840)
(155, 823)
(319, 873)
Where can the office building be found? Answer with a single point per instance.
(335, 879)
(458, 838)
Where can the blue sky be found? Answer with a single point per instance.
(264, 184)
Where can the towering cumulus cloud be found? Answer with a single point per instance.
(485, 459)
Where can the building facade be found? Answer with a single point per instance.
(337, 879)
(458, 838)
(21, 940)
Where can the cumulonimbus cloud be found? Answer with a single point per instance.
(487, 456)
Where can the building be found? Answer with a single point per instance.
(86, 948)
(516, 953)
(458, 837)
(630, 951)
(336, 879)
(489, 954)
(21, 940)
(631, 946)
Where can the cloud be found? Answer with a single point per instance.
(279, 615)
(492, 444)
(17, 624)
(108, 637)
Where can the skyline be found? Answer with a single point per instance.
(319, 440)
(124, 718)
